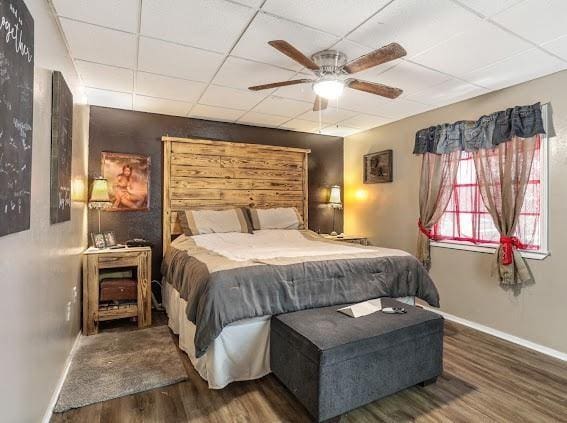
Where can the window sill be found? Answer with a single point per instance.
(455, 245)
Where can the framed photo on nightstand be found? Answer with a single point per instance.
(109, 239)
(98, 240)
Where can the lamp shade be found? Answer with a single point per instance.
(335, 195)
(99, 194)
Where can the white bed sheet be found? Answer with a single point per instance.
(273, 243)
(240, 352)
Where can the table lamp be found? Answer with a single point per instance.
(99, 198)
(335, 203)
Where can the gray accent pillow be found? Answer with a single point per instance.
(198, 222)
(276, 218)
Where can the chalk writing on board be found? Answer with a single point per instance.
(16, 115)
(61, 154)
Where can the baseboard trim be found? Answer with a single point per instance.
(49, 412)
(503, 335)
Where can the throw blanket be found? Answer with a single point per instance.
(220, 291)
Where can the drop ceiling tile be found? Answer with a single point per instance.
(375, 105)
(105, 98)
(330, 115)
(282, 106)
(101, 45)
(407, 76)
(254, 43)
(537, 20)
(166, 87)
(117, 14)
(301, 125)
(490, 7)
(200, 111)
(558, 47)
(339, 131)
(161, 106)
(209, 24)
(241, 73)
(468, 51)
(448, 92)
(261, 119)
(231, 98)
(363, 121)
(335, 17)
(176, 60)
(416, 24)
(514, 70)
(105, 77)
(250, 3)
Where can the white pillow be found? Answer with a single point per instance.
(277, 218)
(197, 222)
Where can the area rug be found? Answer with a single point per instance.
(112, 365)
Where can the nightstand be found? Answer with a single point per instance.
(97, 262)
(353, 239)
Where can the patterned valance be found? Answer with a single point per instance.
(487, 132)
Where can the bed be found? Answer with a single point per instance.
(220, 289)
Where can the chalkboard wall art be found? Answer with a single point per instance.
(16, 115)
(61, 149)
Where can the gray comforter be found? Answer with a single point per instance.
(219, 291)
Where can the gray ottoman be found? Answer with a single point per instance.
(334, 363)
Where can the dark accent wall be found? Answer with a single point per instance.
(125, 131)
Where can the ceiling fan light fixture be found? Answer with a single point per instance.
(330, 89)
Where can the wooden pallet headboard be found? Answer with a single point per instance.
(216, 174)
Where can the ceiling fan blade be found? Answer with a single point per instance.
(279, 84)
(294, 54)
(385, 54)
(373, 88)
(320, 104)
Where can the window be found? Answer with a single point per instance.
(466, 223)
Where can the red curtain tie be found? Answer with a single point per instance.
(424, 230)
(508, 243)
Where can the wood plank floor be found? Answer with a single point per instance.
(485, 379)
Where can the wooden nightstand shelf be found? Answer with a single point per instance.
(139, 260)
(353, 239)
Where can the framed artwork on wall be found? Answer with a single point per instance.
(378, 167)
(16, 115)
(61, 149)
(128, 177)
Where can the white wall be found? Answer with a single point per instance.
(468, 290)
(40, 268)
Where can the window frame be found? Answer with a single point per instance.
(543, 252)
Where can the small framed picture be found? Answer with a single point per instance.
(378, 167)
(98, 240)
(109, 239)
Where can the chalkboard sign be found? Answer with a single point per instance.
(16, 115)
(61, 146)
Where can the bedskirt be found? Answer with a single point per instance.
(240, 352)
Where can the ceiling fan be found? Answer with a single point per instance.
(331, 67)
